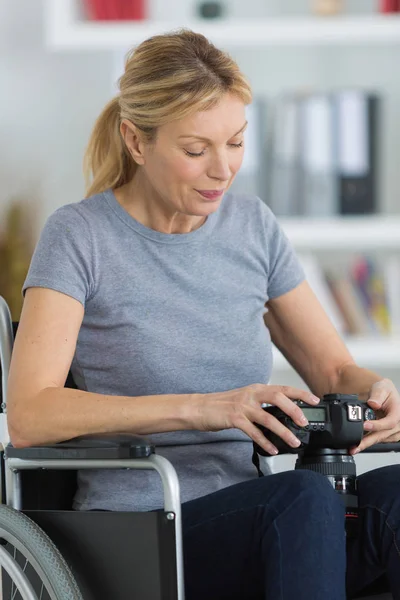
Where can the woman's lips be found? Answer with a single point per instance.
(211, 194)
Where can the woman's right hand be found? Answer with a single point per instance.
(241, 409)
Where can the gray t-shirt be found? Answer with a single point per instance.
(168, 314)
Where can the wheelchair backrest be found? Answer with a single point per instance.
(45, 489)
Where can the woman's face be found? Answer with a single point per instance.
(194, 160)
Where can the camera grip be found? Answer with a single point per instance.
(280, 444)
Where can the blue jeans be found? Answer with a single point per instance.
(282, 537)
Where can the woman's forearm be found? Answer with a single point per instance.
(353, 379)
(58, 414)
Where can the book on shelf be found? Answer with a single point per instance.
(115, 10)
(327, 7)
(324, 153)
(317, 281)
(389, 6)
(362, 299)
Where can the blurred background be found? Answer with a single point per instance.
(322, 147)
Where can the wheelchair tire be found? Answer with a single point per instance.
(36, 547)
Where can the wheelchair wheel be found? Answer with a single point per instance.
(32, 567)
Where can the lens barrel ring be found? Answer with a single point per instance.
(329, 468)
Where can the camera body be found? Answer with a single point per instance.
(334, 426)
(336, 422)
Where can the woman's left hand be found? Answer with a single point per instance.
(384, 399)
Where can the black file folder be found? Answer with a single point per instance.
(357, 151)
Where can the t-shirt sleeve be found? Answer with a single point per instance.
(62, 259)
(285, 269)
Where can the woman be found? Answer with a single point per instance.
(164, 291)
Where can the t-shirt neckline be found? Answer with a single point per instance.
(158, 236)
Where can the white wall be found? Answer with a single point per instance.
(48, 103)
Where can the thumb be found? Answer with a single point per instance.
(378, 394)
(375, 402)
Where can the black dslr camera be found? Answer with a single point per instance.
(336, 422)
(335, 426)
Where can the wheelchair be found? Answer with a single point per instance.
(48, 551)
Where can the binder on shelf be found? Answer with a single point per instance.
(285, 191)
(356, 114)
(324, 154)
(320, 189)
(252, 177)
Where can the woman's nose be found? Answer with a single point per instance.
(219, 168)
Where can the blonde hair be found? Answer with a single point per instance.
(167, 77)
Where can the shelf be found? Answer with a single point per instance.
(65, 30)
(368, 352)
(344, 233)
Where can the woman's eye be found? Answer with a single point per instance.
(237, 145)
(194, 153)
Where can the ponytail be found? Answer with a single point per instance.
(107, 163)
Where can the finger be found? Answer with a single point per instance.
(380, 408)
(380, 391)
(394, 438)
(374, 403)
(273, 424)
(369, 440)
(290, 408)
(385, 424)
(259, 438)
(298, 394)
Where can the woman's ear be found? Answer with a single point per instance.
(131, 136)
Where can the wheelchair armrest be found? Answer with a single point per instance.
(389, 447)
(96, 446)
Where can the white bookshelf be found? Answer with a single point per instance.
(371, 234)
(344, 234)
(66, 30)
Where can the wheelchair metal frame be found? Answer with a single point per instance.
(14, 466)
